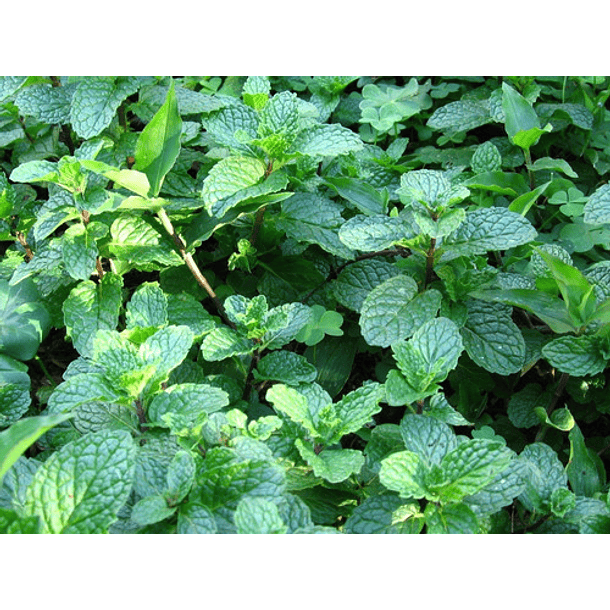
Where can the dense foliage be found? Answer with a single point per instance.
(304, 304)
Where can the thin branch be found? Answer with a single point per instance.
(192, 265)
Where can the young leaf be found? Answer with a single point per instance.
(428, 437)
(332, 465)
(404, 472)
(158, 146)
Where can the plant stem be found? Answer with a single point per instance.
(430, 262)
(528, 164)
(192, 265)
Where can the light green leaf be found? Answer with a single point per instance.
(385, 514)
(229, 176)
(314, 219)
(492, 339)
(577, 356)
(16, 439)
(405, 473)
(82, 486)
(327, 140)
(256, 91)
(79, 250)
(332, 465)
(91, 307)
(158, 145)
(375, 232)
(258, 516)
(485, 230)
(428, 437)
(287, 367)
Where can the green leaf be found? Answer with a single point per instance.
(80, 389)
(354, 283)
(385, 514)
(194, 518)
(234, 127)
(256, 91)
(485, 230)
(223, 342)
(327, 140)
(582, 469)
(450, 519)
(385, 316)
(151, 509)
(158, 145)
(322, 323)
(16, 439)
(356, 409)
(486, 158)
(366, 198)
(132, 180)
(492, 339)
(523, 203)
(286, 367)
(185, 405)
(405, 473)
(90, 307)
(554, 165)
(431, 188)
(82, 486)
(80, 252)
(505, 487)
(428, 437)
(543, 475)
(314, 219)
(597, 208)
(95, 102)
(229, 176)
(35, 171)
(258, 516)
(138, 244)
(148, 306)
(521, 120)
(332, 465)
(45, 103)
(24, 320)
(462, 115)
(577, 356)
(372, 233)
(471, 466)
(551, 310)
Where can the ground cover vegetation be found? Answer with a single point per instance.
(304, 305)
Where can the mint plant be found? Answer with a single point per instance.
(298, 305)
